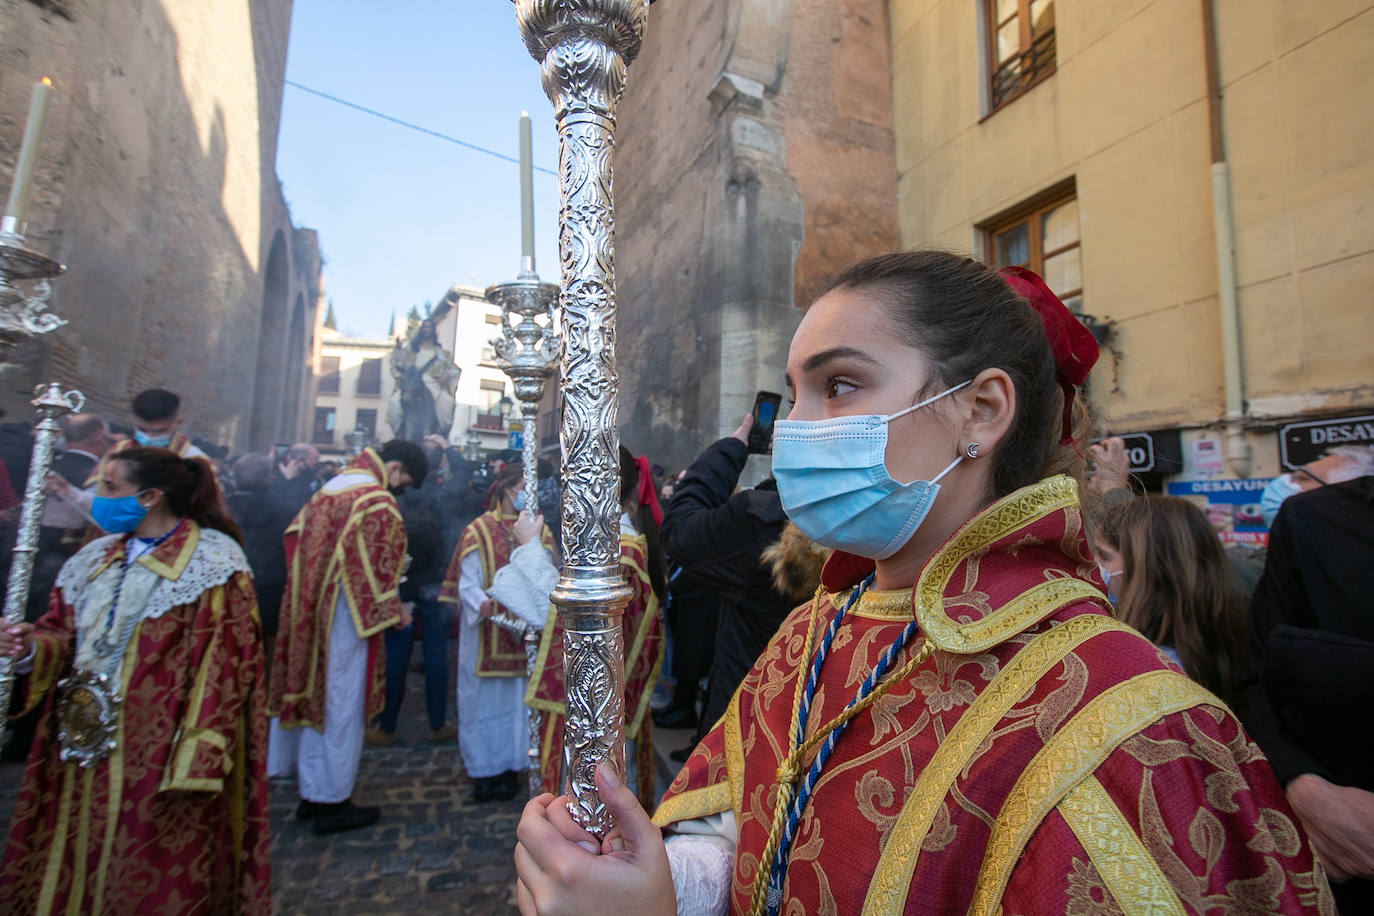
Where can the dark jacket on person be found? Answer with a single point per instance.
(426, 547)
(1308, 703)
(263, 516)
(1313, 630)
(718, 535)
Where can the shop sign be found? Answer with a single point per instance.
(1302, 443)
(1232, 506)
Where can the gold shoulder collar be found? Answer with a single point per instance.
(1016, 511)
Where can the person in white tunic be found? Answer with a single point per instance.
(493, 724)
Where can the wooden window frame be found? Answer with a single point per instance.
(1030, 76)
(366, 387)
(329, 379)
(358, 420)
(315, 432)
(1030, 213)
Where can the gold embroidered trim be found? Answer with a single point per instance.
(1073, 754)
(891, 881)
(1129, 871)
(540, 660)
(734, 755)
(1002, 518)
(712, 799)
(893, 604)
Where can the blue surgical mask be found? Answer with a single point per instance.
(144, 439)
(519, 501)
(117, 514)
(1275, 492)
(835, 487)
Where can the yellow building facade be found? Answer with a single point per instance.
(1169, 180)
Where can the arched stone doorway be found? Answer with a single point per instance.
(270, 366)
(295, 374)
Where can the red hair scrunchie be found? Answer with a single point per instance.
(1072, 345)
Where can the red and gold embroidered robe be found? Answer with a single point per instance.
(643, 635)
(500, 651)
(1044, 759)
(352, 540)
(175, 819)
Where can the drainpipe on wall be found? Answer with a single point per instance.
(1238, 452)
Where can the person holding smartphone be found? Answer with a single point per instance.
(718, 534)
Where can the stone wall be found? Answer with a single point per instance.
(754, 158)
(156, 186)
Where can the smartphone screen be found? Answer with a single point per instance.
(766, 404)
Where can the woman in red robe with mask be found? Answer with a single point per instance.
(146, 789)
(955, 723)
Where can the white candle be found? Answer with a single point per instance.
(18, 207)
(526, 189)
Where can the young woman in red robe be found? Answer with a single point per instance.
(955, 723)
(146, 787)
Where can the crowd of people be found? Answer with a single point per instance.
(949, 657)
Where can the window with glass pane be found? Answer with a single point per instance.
(323, 432)
(1045, 239)
(329, 375)
(367, 422)
(1021, 46)
(491, 394)
(370, 377)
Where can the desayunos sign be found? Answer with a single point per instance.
(1300, 443)
(1232, 506)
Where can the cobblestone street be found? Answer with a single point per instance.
(434, 850)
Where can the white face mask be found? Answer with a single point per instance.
(1107, 575)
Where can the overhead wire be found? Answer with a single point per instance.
(412, 126)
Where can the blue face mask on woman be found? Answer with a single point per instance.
(117, 514)
(835, 487)
(1275, 492)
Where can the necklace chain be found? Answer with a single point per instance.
(103, 643)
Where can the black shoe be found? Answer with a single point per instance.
(507, 786)
(346, 816)
(675, 718)
(483, 789)
(681, 754)
(308, 810)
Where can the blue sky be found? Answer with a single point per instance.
(402, 215)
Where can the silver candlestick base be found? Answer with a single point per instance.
(584, 48)
(528, 352)
(24, 315)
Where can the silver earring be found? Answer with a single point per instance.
(972, 450)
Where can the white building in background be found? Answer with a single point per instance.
(356, 383)
(466, 323)
(354, 388)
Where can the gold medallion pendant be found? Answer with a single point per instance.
(87, 717)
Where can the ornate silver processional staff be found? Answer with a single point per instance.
(22, 317)
(528, 352)
(584, 48)
(52, 403)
